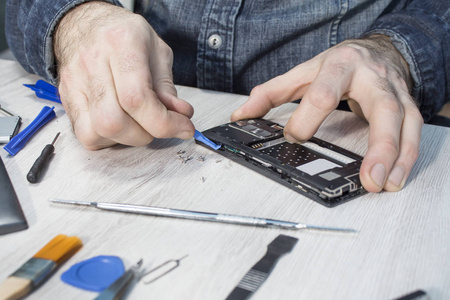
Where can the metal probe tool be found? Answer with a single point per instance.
(202, 216)
(41, 162)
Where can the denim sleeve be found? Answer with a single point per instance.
(421, 32)
(30, 25)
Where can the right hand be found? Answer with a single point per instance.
(115, 79)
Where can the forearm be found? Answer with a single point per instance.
(30, 27)
(421, 33)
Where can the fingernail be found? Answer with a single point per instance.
(289, 138)
(234, 116)
(396, 176)
(378, 173)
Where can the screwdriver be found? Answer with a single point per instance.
(41, 162)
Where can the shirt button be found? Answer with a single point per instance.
(215, 41)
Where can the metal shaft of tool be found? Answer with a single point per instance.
(118, 287)
(195, 215)
(55, 138)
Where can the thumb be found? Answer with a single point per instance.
(257, 105)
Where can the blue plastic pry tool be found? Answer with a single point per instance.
(201, 138)
(18, 142)
(45, 90)
(94, 274)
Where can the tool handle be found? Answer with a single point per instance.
(40, 164)
(14, 288)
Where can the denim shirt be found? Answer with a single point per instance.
(234, 45)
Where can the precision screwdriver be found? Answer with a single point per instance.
(41, 162)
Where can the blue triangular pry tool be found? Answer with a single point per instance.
(94, 274)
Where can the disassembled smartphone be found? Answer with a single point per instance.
(317, 169)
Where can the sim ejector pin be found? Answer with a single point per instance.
(202, 216)
(159, 271)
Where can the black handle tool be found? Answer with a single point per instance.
(41, 162)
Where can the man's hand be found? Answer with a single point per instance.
(115, 79)
(373, 76)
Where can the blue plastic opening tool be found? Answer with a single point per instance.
(18, 142)
(45, 90)
(201, 138)
(94, 274)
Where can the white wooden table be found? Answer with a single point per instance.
(403, 242)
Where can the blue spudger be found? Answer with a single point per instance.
(201, 138)
(18, 142)
(45, 90)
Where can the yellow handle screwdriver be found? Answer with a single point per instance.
(41, 162)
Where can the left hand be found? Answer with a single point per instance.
(373, 76)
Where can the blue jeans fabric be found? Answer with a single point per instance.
(234, 45)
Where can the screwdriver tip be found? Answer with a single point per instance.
(56, 137)
(330, 229)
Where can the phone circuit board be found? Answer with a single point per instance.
(317, 169)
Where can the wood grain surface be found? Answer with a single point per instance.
(403, 242)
